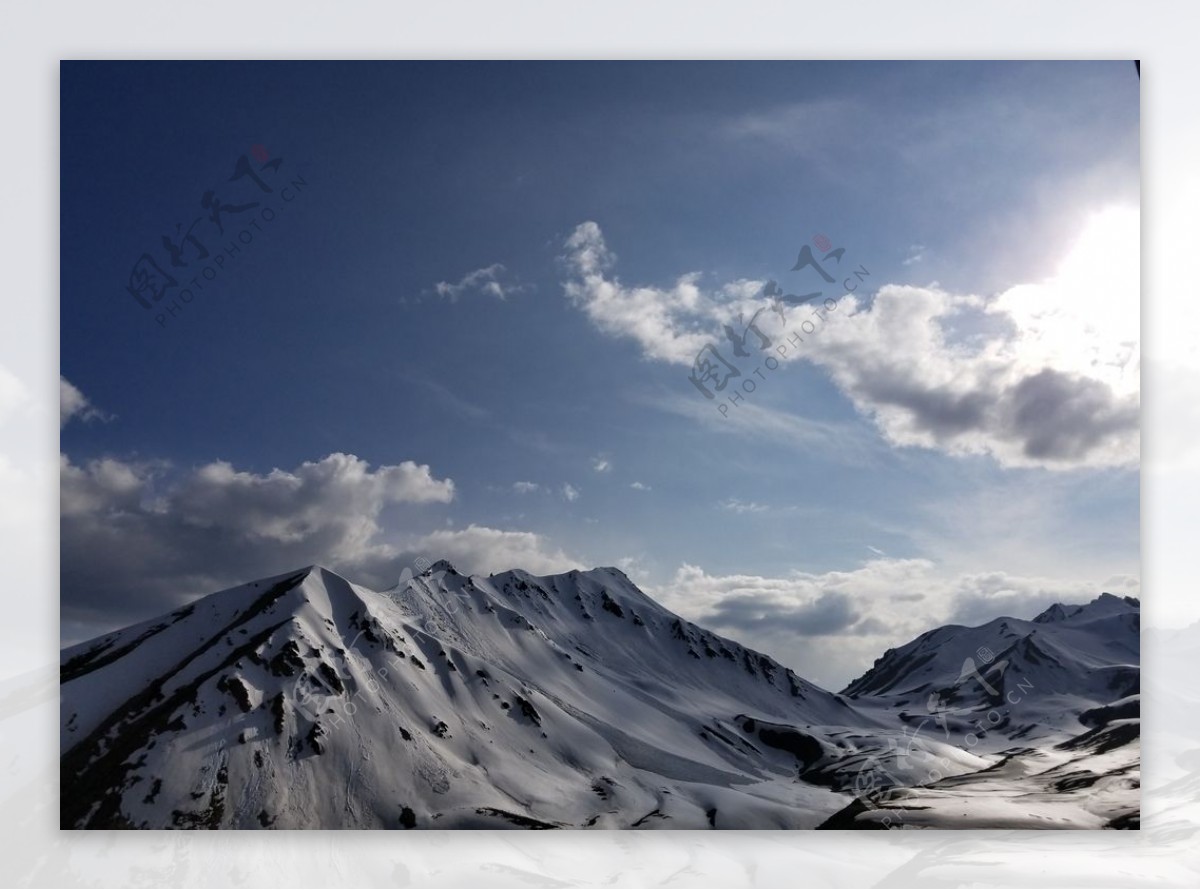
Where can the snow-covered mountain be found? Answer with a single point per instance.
(1027, 679)
(512, 700)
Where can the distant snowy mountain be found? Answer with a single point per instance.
(1029, 679)
(306, 701)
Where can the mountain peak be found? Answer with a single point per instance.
(1057, 612)
(318, 571)
(1113, 598)
(1105, 604)
(612, 570)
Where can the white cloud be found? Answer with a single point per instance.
(104, 487)
(639, 486)
(916, 253)
(601, 464)
(486, 281)
(1042, 374)
(570, 492)
(633, 567)
(669, 324)
(525, 487)
(482, 550)
(73, 404)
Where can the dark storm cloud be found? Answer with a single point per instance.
(1059, 417)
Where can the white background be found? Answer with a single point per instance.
(33, 37)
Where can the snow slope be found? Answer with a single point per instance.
(306, 701)
(1092, 780)
(1055, 702)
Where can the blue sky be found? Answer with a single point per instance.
(469, 331)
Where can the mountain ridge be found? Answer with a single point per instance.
(512, 700)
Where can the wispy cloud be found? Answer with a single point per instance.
(735, 506)
(601, 464)
(570, 492)
(525, 487)
(451, 400)
(639, 486)
(809, 129)
(487, 281)
(851, 443)
(523, 435)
